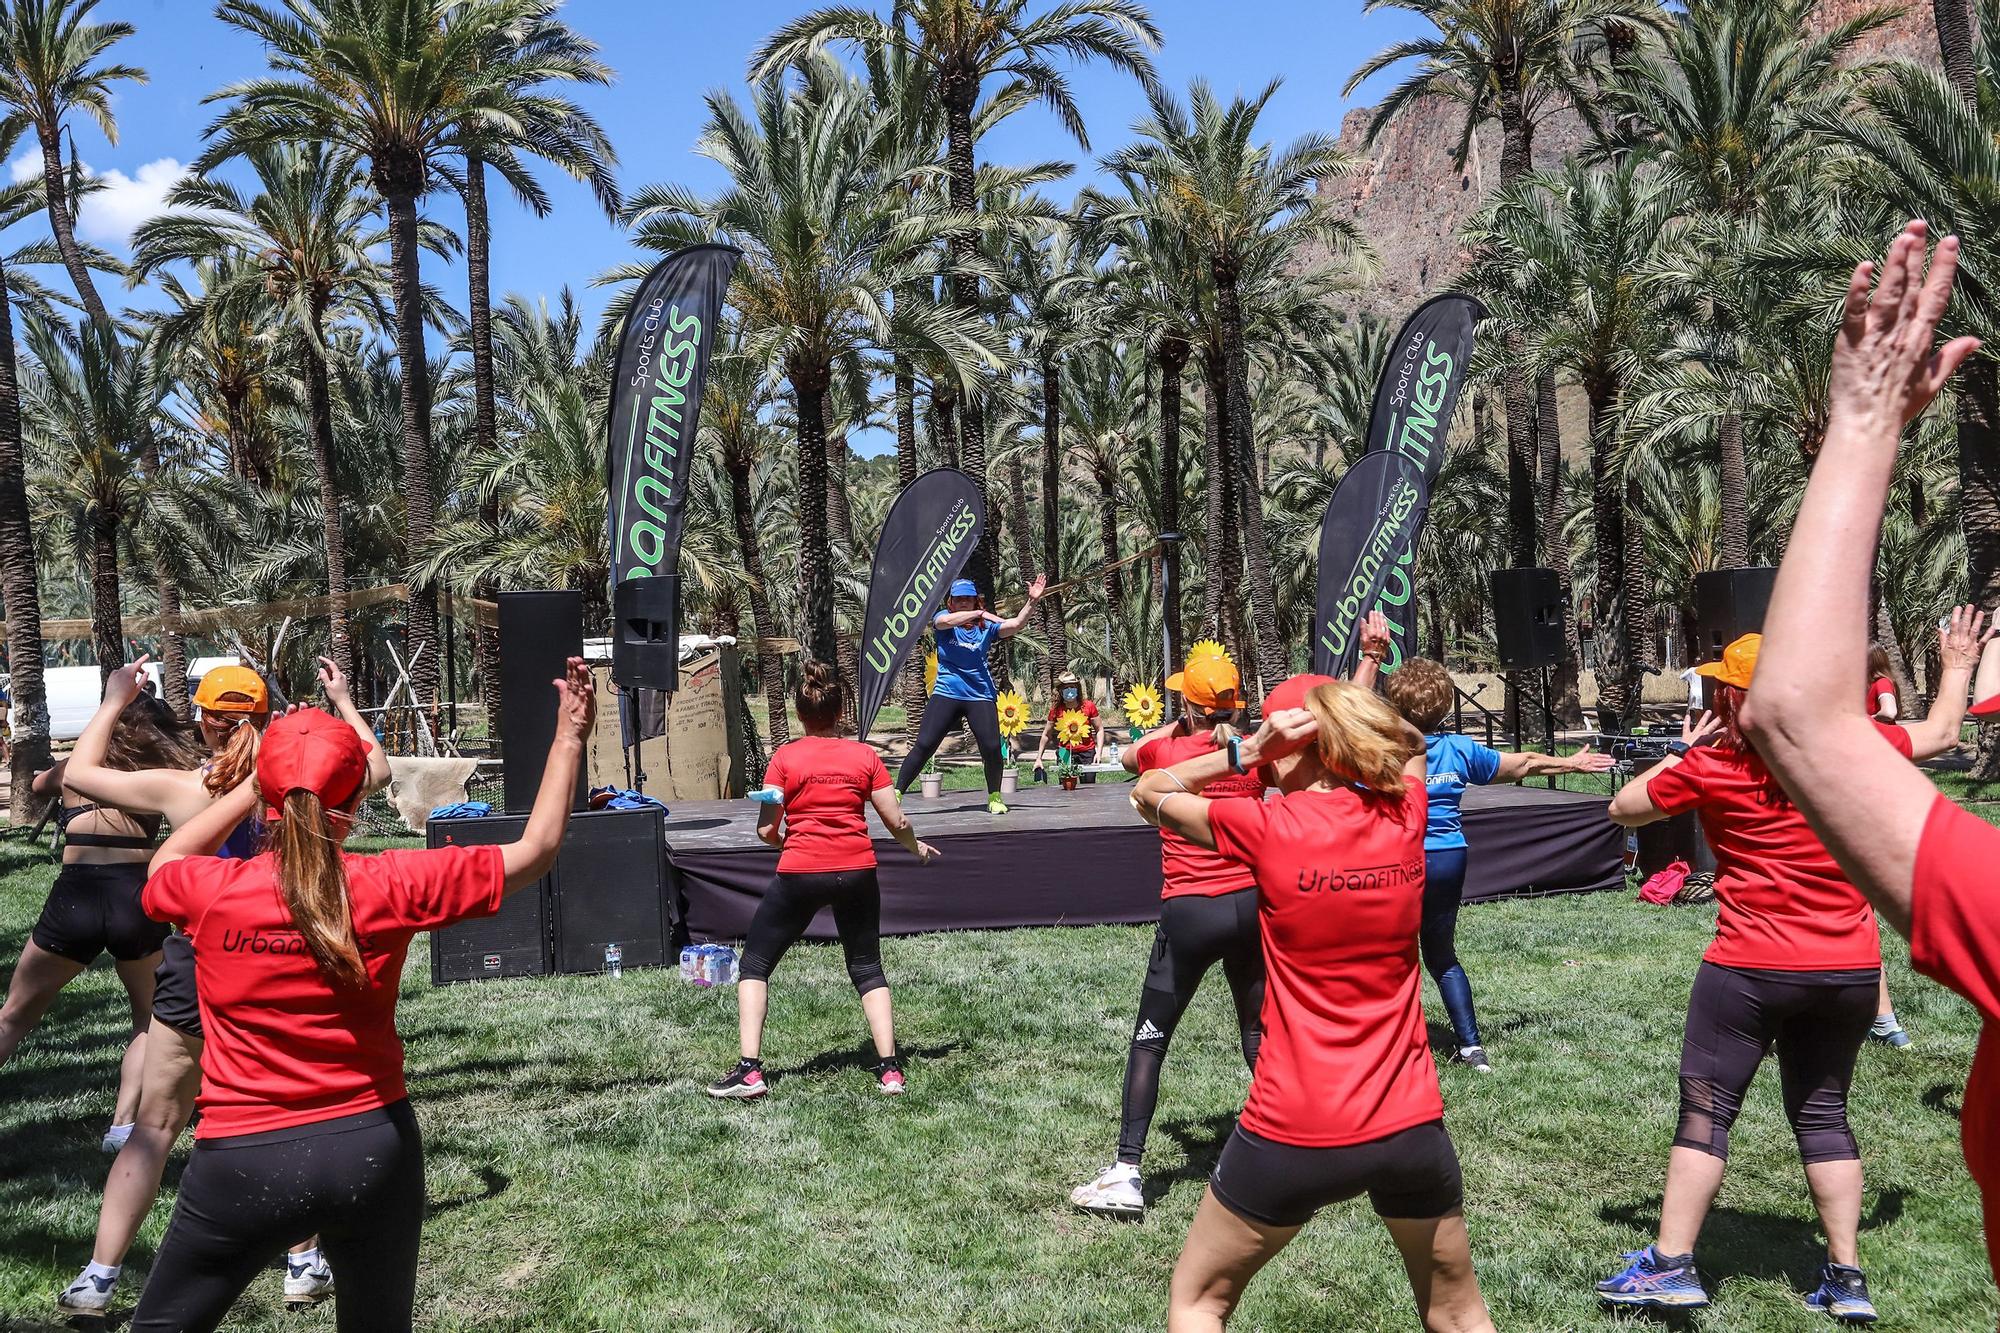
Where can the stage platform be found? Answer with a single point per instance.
(1085, 858)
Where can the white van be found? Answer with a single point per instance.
(75, 691)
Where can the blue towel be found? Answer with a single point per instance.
(463, 810)
(623, 798)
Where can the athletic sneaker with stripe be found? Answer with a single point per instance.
(1115, 1192)
(1843, 1293)
(1651, 1280)
(88, 1295)
(308, 1279)
(741, 1083)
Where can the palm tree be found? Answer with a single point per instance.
(962, 44)
(1954, 28)
(47, 52)
(1515, 62)
(1246, 209)
(295, 252)
(822, 241)
(397, 83)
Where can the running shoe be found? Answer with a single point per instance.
(1473, 1056)
(1655, 1282)
(308, 1280)
(114, 1139)
(1843, 1293)
(889, 1078)
(995, 806)
(744, 1081)
(1889, 1032)
(1115, 1192)
(87, 1295)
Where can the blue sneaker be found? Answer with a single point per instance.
(1655, 1282)
(1843, 1293)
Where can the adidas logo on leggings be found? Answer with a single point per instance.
(1147, 1032)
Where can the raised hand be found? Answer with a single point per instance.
(1038, 588)
(1588, 760)
(1885, 362)
(576, 707)
(1285, 732)
(1963, 637)
(1375, 636)
(124, 684)
(334, 682)
(1699, 731)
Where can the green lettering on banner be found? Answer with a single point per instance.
(916, 593)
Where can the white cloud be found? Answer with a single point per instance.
(110, 214)
(24, 166)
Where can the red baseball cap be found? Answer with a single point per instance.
(310, 751)
(1291, 693)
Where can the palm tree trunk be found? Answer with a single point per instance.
(1555, 548)
(1107, 535)
(1215, 470)
(419, 503)
(770, 665)
(1640, 637)
(107, 624)
(906, 423)
(173, 644)
(1614, 703)
(29, 750)
(61, 222)
(1271, 656)
(1954, 26)
(1054, 622)
(479, 312)
(944, 407)
(1173, 361)
(319, 407)
(959, 90)
(1520, 405)
(839, 513)
(1979, 505)
(809, 385)
(1735, 551)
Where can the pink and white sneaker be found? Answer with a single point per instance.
(743, 1082)
(889, 1078)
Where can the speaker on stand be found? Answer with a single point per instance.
(539, 633)
(1528, 619)
(645, 650)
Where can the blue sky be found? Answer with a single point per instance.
(655, 117)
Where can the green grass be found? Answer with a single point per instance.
(579, 1179)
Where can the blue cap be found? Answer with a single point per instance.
(964, 588)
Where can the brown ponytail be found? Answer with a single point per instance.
(819, 696)
(314, 882)
(234, 762)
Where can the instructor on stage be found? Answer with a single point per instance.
(964, 689)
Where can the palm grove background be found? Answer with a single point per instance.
(1659, 205)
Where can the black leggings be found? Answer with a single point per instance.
(1444, 887)
(1195, 933)
(357, 1181)
(1816, 1021)
(791, 903)
(940, 716)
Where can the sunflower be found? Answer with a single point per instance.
(1208, 648)
(1072, 728)
(1143, 708)
(1013, 711)
(930, 672)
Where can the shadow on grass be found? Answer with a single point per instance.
(859, 1057)
(1739, 1243)
(1200, 1143)
(1445, 1042)
(1945, 1099)
(492, 1184)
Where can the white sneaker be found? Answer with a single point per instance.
(308, 1280)
(87, 1295)
(114, 1139)
(1115, 1193)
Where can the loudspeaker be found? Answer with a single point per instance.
(645, 638)
(1527, 617)
(539, 633)
(1729, 603)
(514, 942)
(611, 888)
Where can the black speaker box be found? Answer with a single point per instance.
(610, 885)
(645, 638)
(1527, 618)
(1729, 603)
(514, 942)
(539, 633)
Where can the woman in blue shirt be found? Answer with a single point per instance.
(1421, 691)
(964, 688)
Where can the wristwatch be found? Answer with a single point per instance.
(1678, 748)
(1236, 755)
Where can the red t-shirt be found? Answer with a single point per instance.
(1877, 689)
(1188, 871)
(284, 1046)
(1089, 710)
(827, 782)
(1781, 901)
(1955, 940)
(1340, 888)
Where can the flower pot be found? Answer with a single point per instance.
(1069, 782)
(1010, 780)
(933, 784)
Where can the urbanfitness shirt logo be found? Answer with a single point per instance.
(906, 617)
(669, 342)
(1370, 879)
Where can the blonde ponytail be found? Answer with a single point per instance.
(234, 762)
(1361, 738)
(314, 882)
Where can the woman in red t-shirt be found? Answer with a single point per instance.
(1796, 966)
(306, 1125)
(1345, 1098)
(819, 825)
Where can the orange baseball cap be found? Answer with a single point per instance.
(1209, 682)
(239, 680)
(1738, 664)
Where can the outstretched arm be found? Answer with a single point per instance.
(1866, 805)
(1633, 806)
(1533, 764)
(1013, 624)
(1960, 644)
(891, 811)
(528, 858)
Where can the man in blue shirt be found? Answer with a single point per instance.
(964, 689)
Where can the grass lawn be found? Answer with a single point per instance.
(579, 1180)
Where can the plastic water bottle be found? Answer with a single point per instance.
(614, 959)
(689, 952)
(704, 953)
(721, 965)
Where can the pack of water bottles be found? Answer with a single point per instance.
(709, 964)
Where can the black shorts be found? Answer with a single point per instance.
(95, 909)
(1411, 1173)
(174, 1001)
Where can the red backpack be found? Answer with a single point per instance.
(1661, 888)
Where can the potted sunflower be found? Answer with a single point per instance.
(1012, 710)
(1072, 729)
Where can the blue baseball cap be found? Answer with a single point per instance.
(964, 588)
